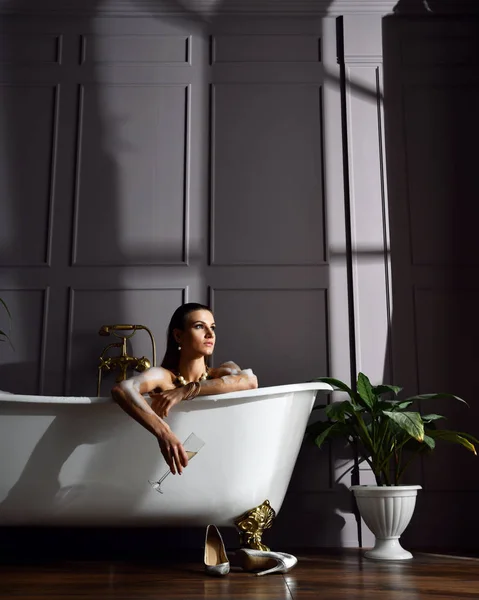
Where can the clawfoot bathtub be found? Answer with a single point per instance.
(83, 461)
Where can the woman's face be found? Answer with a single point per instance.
(198, 336)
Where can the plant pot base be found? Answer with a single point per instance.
(389, 549)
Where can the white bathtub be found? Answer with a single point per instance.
(83, 461)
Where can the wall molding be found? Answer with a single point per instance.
(46, 261)
(200, 8)
(359, 60)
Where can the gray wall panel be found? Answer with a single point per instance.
(267, 195)
(442, 325)
(131, 183)
(266, 48)
(27, 167)
(28, 49)
(134, 49)
(436, 174)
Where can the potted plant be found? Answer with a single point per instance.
(388, 436)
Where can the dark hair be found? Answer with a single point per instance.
(172, 355)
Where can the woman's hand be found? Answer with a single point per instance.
(173, 452)
(162, 402)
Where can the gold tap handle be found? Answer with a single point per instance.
(136, 328)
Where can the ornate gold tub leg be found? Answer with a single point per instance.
(252, 523)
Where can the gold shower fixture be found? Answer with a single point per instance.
(124, 361)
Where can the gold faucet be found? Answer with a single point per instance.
(123, 362)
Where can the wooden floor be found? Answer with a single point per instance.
(335, 575)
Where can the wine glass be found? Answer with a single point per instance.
(192, 446)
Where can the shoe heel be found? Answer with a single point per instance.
(215, 558)
(254, 561)
(247, 562)
(278, 567)
(270, 562)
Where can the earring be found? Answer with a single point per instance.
(179, 348)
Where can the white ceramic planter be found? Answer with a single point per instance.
(386, 510)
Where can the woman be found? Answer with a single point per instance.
(183, 376)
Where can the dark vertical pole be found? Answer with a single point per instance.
(349, 257)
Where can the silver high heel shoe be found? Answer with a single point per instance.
(272, 562)
(216, 561)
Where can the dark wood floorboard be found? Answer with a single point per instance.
(338, 575)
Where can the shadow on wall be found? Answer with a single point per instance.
(430, 95)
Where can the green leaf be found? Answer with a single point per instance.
(337, 383)
(403, 405)
(468, 436)
(429, 441)
(365, 391)
(435, 397)
(328, 431)
(392, 405)
(431, 417)
(385, 389)
(337, 411)
(410, 422)
(6, 338)
(455, 437)
(6, 308)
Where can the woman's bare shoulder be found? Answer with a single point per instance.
(157, 373)
(163, 377)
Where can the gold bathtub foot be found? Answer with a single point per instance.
(252, 523)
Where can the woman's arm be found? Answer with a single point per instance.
(244, 380)
(128, 395)
(164, 401)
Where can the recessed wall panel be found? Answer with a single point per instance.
(131, 175)
(90, 309)
(30, 49)
(143, 49)
(443, 186)
(21, 365)
(446, 339)
(267, 201)
(266, 48)
(280, 334)
(27, 159)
